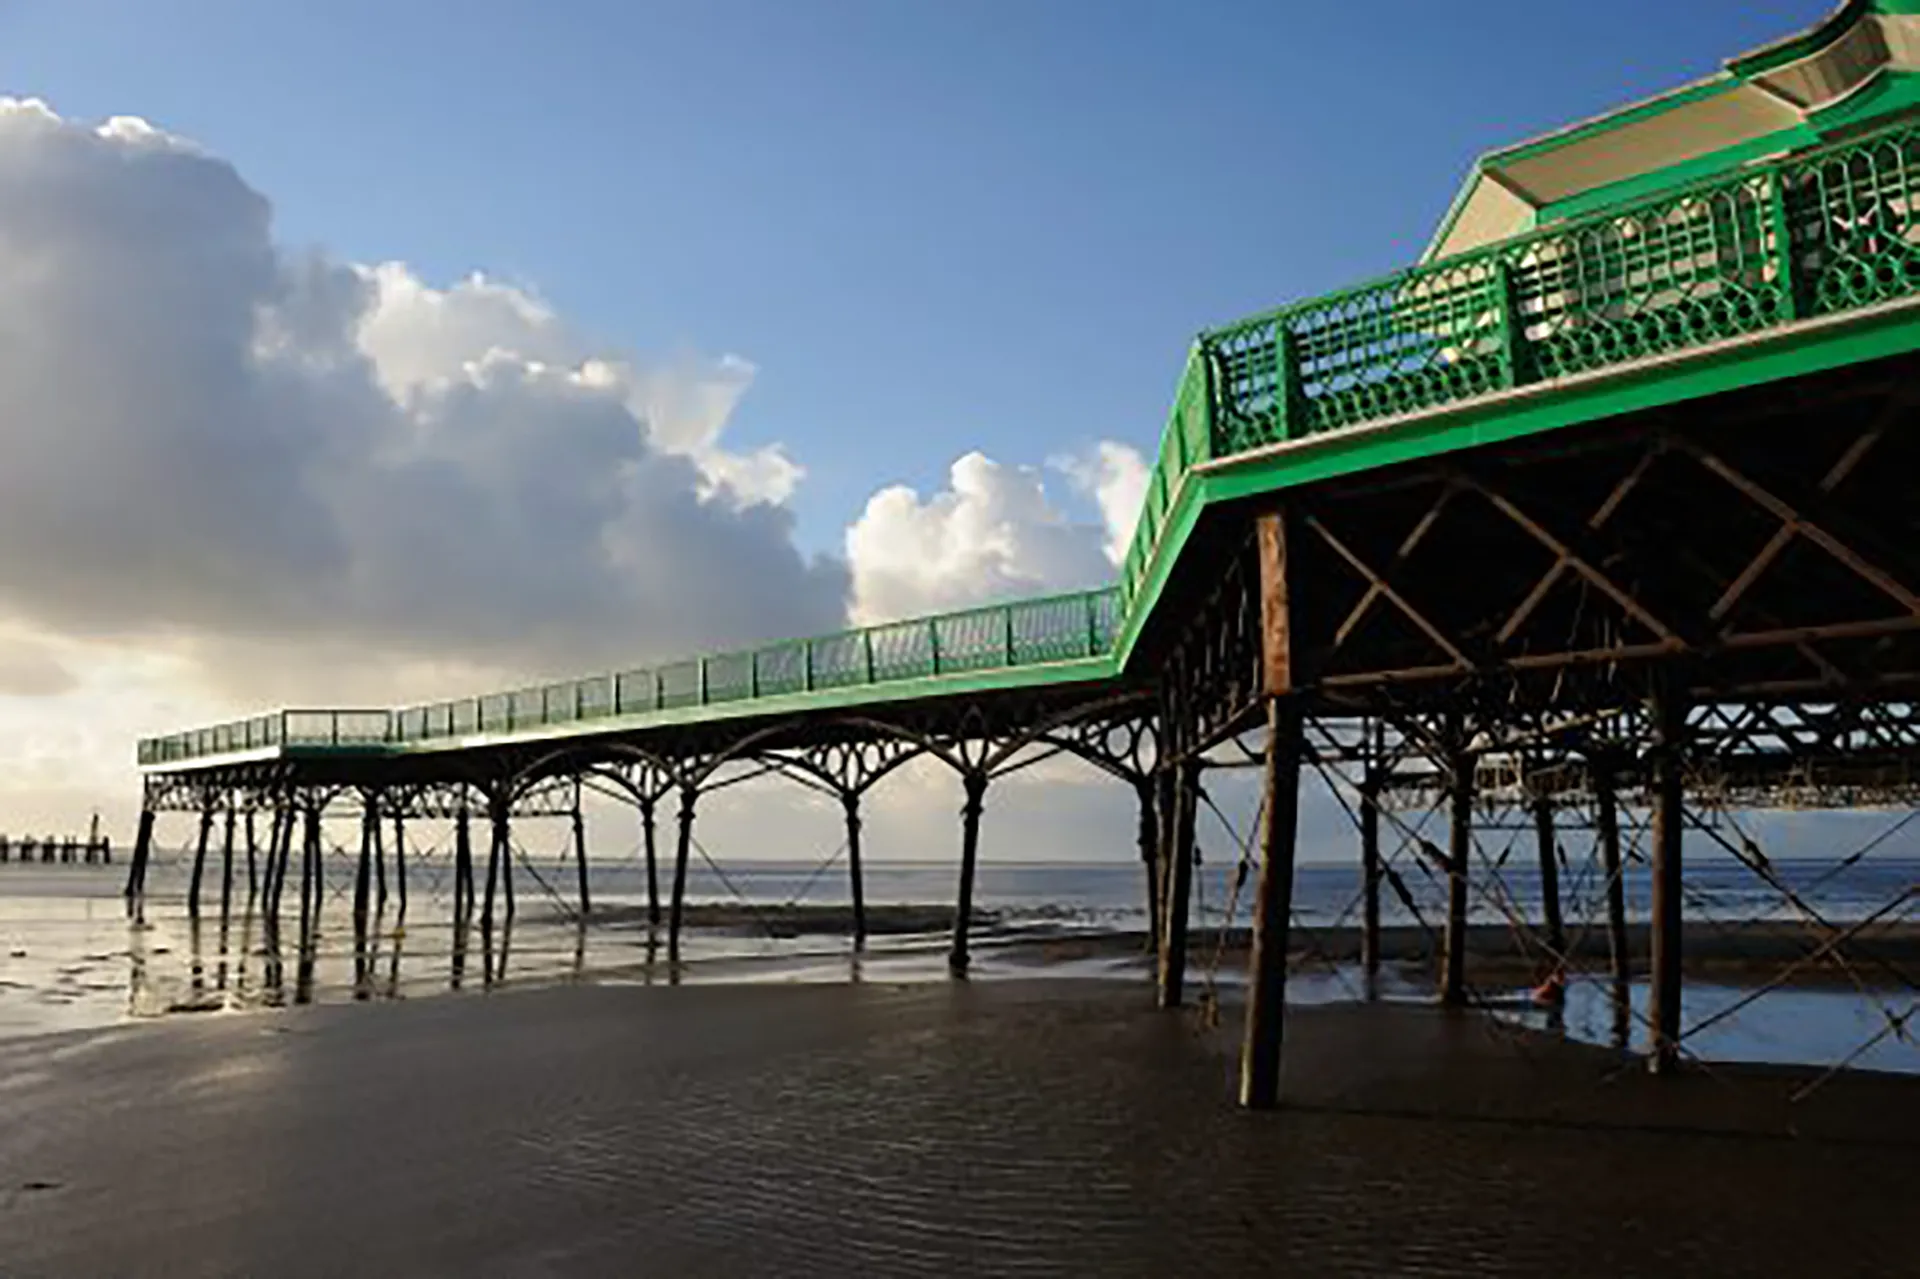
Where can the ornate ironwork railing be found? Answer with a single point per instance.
(999, 637)
(1813, 234)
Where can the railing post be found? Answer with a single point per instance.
(1513, 335)
(659, 690)
(806, 651)
(1786, 270)
(1093, 625)
(1008, 614)
(753, 674)
(933, 643)
(1289, 406)
(703, 681)
(866, 640)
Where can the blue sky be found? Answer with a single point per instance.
(933, 226)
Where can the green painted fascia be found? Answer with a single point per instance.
(1809, 347)
(1082, 670)
(1698, 169)
(1182, 514)
(1077, 670)
(254, 756)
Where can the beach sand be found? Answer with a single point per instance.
(1026, 1127)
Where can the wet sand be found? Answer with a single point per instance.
(1012, 1127)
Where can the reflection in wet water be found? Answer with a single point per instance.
(71, 958)
(240, 962)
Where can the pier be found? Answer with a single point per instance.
(61, 850)
(1591, 534)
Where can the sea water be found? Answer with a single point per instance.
(70, 956)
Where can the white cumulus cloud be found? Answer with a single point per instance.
(994, 533)
(1115, 476)
(273, 459)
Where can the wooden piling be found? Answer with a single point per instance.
(580, 857)
(200, 858)
(226, 861)
(682, 852)
(496, 848)
(1669, 720)
(363, 878)
(1179, 887)
(278, 852)
(310, 885)
(269, 887)
(1460, 766)
(1149, 841)
(142, 850)
(400, 864)
(379, 852)
(1547, 840)
(1165, 784)
(506, 869)
(653, 864)
(1272, 910)
(1607, 831)
(462, 866)
(1370, 872)
(253, 859)
(974, 784)
(856, 878)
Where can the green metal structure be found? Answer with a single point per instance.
(1752, 254)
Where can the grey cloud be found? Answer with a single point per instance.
(27, 669)
(198, 442)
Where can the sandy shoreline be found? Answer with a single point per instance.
(1037, 1127)
(1497, 953)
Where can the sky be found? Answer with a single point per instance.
(368, 352)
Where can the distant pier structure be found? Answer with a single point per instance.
(1598, 523)
(91, 849)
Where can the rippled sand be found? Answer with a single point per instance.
(1015, 1127)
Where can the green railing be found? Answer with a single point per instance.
(352, 729)
(999, 637)
(1815, 234)
(1820, 233)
